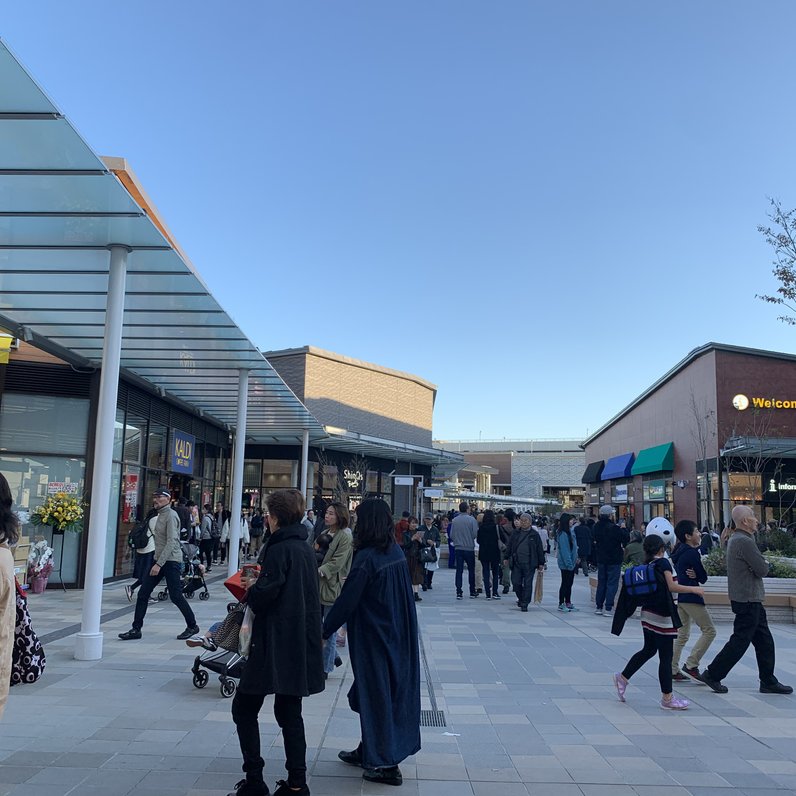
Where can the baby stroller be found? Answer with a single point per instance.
(221, 654)
(193, 574)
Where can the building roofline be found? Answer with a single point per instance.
(357, 363)
(692, 356)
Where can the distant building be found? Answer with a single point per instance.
(541, 468)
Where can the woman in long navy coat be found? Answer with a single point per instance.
(379, 607)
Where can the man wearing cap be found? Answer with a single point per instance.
(609, 542)
(168, 564)
(525, 553)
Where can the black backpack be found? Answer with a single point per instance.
(215, 531)
(138, 537)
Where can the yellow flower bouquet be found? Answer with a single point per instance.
(62, 512)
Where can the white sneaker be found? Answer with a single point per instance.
(607, 612)
(599, 612)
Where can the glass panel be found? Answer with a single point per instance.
(330, 480)
(64, 194)
(134, 433)
(156, 446)
(52, 231)
(20, 94)
(118, 435)
(210, 462)
(252, 472)
(386, 484)
(745, 488)
(132, 510)
(113, 521)
(34, 144)
(31, 479)
(43, 423)
(372, 482)
(277, 474)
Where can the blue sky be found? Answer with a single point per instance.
(540, 207)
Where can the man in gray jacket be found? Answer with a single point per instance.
(525, 555)
(746, 569)
(168, 564)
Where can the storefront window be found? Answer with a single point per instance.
(43, 424)
(134, 433)
(372, 482)
(32, 479)
(277, 474)
(113, 512)
(118, 436)
(746, 487)
(156, 446)
(252, 473)
(658, 498)
(386, 484)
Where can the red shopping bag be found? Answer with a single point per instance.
(233, 582)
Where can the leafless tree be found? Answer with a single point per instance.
(780, 234)
(752, 434)
(703, 432)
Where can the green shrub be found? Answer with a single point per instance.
(779, 568)
(779, 541)
(715, 562)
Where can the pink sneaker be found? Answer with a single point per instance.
(621, 686)
(675, 703)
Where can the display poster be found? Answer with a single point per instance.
(130, 497)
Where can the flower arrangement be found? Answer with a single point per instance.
(63, 512)
(40, 560)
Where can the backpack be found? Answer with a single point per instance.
(215, 531)
(641, 582)
(139, 535)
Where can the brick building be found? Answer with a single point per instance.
(718, 429)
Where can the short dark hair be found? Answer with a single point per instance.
(9, 522)
(374, 525)
(182, 501)
(684, 528)
(464, 507)
(287, 505)
(207, 507)
(652, 546)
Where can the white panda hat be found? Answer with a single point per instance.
(660, 526)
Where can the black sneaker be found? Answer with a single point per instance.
(505, 590)
(283, 789)
(338, 661)
(188, 632)
(386, 776)
(248, 788)
(128, 590)
(473, 596)
(133, 634)
(693, 673)
(679, 677)
(775, 688)
(459, 597)
(714, 685)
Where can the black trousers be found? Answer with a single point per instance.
(206, 552)
(750, 627)
(491, 572)
(522, 581)
(664, 646)
(565, 592)
(171, 570)
(287, 712)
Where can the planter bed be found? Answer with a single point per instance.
(780, 598)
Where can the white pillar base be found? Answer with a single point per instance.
(88, 646)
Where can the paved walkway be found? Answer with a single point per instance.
(527, 699)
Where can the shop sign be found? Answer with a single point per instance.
(182, 450)
(130, 497)
(781, 486)
(404, 480)
(741, 402)
(655, 490)
(620, 493)
(594, 495)
(353, 479)
(53, 487)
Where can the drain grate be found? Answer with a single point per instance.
(432, 718)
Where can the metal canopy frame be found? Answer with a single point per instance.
(61, 209)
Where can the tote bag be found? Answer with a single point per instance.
(27, 659)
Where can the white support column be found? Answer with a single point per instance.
(88, 644)
(305, 457)
(237, 472)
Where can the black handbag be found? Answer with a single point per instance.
(428, 555)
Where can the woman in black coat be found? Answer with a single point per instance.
(377, 603)
(285, 655)
(489, 554)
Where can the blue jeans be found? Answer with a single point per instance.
(607, 584)
(465, 557)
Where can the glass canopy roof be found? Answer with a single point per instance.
(61, 206)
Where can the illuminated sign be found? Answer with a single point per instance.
(182, 450)
(353, 478)
(741, 402)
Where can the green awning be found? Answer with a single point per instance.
(654, 460)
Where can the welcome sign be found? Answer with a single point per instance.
(182, 452)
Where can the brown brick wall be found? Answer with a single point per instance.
(368, 401)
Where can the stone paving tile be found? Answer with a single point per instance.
(528, 699)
